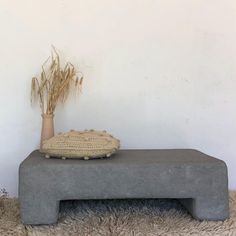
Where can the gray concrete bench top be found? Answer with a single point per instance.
(138, 156)
(198, 180)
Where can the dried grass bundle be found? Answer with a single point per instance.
(55, 83)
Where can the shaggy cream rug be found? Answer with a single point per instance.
(118, 218)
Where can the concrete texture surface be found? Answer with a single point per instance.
(198, 180)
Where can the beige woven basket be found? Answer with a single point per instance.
(86, 144)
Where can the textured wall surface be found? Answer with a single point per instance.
(158, 74)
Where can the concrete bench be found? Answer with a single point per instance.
(198, 180)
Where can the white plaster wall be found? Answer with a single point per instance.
(158, 74)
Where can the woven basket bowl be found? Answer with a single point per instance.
(86, 144)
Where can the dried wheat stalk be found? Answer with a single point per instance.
(54, 83)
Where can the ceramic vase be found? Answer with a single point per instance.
(47, 128)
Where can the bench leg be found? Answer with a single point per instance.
(208, 208)
(39, 211)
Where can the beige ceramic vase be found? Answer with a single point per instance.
(47, 128)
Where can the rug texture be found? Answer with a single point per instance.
(118, 218)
